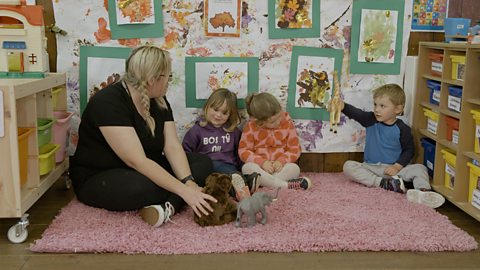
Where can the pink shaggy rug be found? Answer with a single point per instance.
(334, 215)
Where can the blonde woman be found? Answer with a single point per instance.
(128, 155)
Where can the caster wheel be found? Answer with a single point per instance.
(21, 237)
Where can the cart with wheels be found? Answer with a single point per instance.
(24, 178)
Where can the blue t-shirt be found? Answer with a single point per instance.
(387, 144)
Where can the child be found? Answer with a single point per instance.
(217, 136)
(270, 145)
(389, 149)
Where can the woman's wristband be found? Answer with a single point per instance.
(188, 178)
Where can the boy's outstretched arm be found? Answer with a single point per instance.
(365, 119)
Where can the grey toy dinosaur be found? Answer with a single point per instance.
(250, 206)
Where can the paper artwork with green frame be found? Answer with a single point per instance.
(293, 18)
(377, 34)
(203, 75)
(135, 19)
(311, 81)
(99, 67)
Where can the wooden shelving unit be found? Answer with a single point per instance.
(25, 100)
(464, 150)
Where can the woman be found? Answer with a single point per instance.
(128, 155)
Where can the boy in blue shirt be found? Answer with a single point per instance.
(389, 149)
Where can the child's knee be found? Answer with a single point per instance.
(351, 166)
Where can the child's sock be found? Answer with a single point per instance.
(241, 190)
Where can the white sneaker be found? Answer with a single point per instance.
(428, 198)
(155, 215)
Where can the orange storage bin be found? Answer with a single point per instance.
(23, 152)
(452, 129)
(436, 63)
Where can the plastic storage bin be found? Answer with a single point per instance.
(55, 95)
(61, 129)
(434, 87)
(436, 60)
(46, 157)
(474, 182)
(432, 120)
(450, 160)
(454, 98)
(476, 117)
(452, 129)
(458, 67)
(428, 154)
(23, 152)
(44, 126)
(456, 27)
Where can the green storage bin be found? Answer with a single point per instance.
(44, 130)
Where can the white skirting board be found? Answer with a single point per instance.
(410, 86)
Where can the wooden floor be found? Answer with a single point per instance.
(17, 256)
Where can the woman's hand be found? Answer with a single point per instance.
(194, 185)
(197, 200)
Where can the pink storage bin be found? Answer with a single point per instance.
(61, 129)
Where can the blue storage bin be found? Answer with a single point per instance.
(454, 98)
(428, 154)
(434, 87)
(456, 27)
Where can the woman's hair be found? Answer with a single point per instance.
(147, 63)
(216, 100)
(262, 106)
(393, 91)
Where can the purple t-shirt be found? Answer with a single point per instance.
(214, 142)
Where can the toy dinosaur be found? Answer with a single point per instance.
(335, 104)
(250, 206)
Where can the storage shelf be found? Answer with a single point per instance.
(472, 155)
(430, 135)
(466, 130)
(449, 144)
(451, 113)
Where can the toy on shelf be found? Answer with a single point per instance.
(334, 106)
(23, 51)
(250, 206)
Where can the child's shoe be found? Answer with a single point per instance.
(251, 180)
(393, 183)
(241, 190)
(428, 198)
(299, 183)
(156, 215)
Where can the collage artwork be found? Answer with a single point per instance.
(229, 43)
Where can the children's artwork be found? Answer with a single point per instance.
(293, 18)
(99, 67)
(377, 34)
(293, 14)
(311, 81)
(429, 15)
(222, 18)
(205, 74)
(135, 19)
(213, 75)
(135, 11)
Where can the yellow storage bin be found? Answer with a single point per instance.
(55, 96)
(476, 116)
(23, 152)
(458, 67)
(450, 161)
(474, 180)
(46, 157)
(432, 120)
